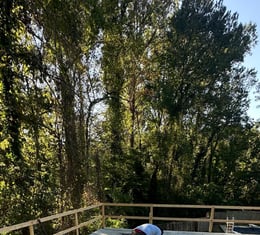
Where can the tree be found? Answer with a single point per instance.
(20, 62)
(131, 30)
(70, 40)
(205, 89)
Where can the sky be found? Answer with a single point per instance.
(248, 11)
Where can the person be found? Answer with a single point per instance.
(147, 229)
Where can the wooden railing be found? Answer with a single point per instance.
(104, 209)
(30, 224)
(210, 218)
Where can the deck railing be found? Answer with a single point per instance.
(32, 223)
(104, 214)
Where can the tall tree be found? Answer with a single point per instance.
(19, 62)
(206, 87)
(131, 30)
(70, 39)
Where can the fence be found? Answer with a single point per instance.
(105, 212)
(30, 224)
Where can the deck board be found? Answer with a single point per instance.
(112, 231)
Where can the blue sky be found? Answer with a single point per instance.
(248, 11)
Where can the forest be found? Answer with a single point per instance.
(140, 101)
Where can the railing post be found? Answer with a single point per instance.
(151, 214)
(103, 216)
(76, 223)
(31, 230)
(211, 220)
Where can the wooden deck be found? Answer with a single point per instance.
(111, 231)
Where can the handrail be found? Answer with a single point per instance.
(211, 219)
(150, 217)
(31, 223)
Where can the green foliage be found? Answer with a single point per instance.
(124, 101)
(116, 223)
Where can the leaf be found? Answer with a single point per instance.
(4, 144)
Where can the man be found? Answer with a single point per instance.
(147, 229)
